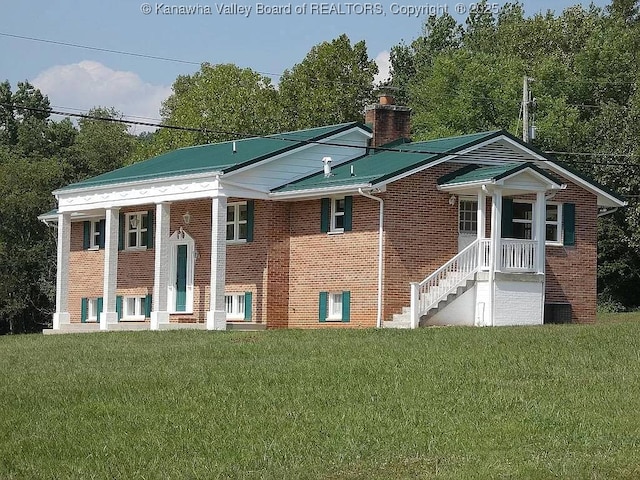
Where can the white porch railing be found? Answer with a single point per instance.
(518, 255)
(514, 256)
(446, 279)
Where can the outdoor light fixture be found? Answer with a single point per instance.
(452, 200)
(186, 218)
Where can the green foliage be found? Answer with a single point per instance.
(37, 156)
(454, 403)
(331, 85)
(584, 62)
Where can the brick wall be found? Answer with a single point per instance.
(333, 263)
(421, 233)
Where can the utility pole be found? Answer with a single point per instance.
(525, 108)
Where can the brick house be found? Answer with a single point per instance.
(347, 225)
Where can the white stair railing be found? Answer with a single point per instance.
(445, 280)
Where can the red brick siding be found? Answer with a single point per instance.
(333, 263)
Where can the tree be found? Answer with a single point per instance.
(333, 84)
(224, 101)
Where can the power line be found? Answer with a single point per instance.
(283, 137)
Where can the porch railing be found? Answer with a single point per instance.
(518, 255)
(445, 280)
(514, 256)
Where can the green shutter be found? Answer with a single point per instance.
(569, 221)
(147, 306)
(99, 307)
(346, 306)
(322, 304)
(250, 207)
(325, 213)
(119, 307)
(248, 297)
(101, 231)
(150, 229)
(86, 236)
(507, 218)
(348, 207)
(84, 304)
(121, 232)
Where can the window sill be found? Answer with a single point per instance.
(186, 312)
(553, 244)
(236, 242)
(333, 319)
(335, 232)
(235, 318)
(135, 249)
(93, 249)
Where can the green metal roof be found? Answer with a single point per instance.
(213, 157)
(387, 163)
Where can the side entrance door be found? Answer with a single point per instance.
(467, 222)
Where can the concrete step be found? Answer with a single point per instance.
(396, 324)
(246, 327)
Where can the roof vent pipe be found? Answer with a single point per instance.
(327, 166)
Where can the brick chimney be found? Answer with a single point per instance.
(389, 121)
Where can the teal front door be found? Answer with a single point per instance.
(181, 279)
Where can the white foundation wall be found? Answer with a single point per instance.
(459, 312)
(519, 302)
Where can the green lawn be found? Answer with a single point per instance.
(459, 403)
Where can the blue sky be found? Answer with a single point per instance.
(79, 79)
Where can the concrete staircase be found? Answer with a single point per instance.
(403, 320)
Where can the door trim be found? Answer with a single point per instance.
(180, 237)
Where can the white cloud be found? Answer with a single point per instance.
(89, 84)
(384, 67)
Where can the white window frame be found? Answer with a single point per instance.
(138, 230)
(138, 313)
(558, 223)
(335, 214)
(236, 222)
(92, 310)
(472, 221)
(94, 234)
(334, 306)
(234, 305)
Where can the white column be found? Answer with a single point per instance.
(61, 315)
(109, 315)
(216, 316)
(481, 222)
(541, 230)
(160, 313)
(481, 217)
(495, 261)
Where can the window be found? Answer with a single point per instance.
(237, 221)
(335, 214)
(335, 307)
(137, 230)
(92, 310)
(554, 223)
(134, 308)
(468, 216)
(234, 305)
(93, 235)
(523, 221)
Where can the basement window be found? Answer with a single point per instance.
(234, 306)
(134, 308)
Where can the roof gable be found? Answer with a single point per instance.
(217, 157)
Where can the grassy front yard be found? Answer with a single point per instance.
(541, 402)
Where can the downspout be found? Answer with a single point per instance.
(380, 252)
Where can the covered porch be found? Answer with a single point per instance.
(501, 257)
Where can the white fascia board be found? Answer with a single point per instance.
(167, 189)
(312, 193)
(311, 144)
(605, 199)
